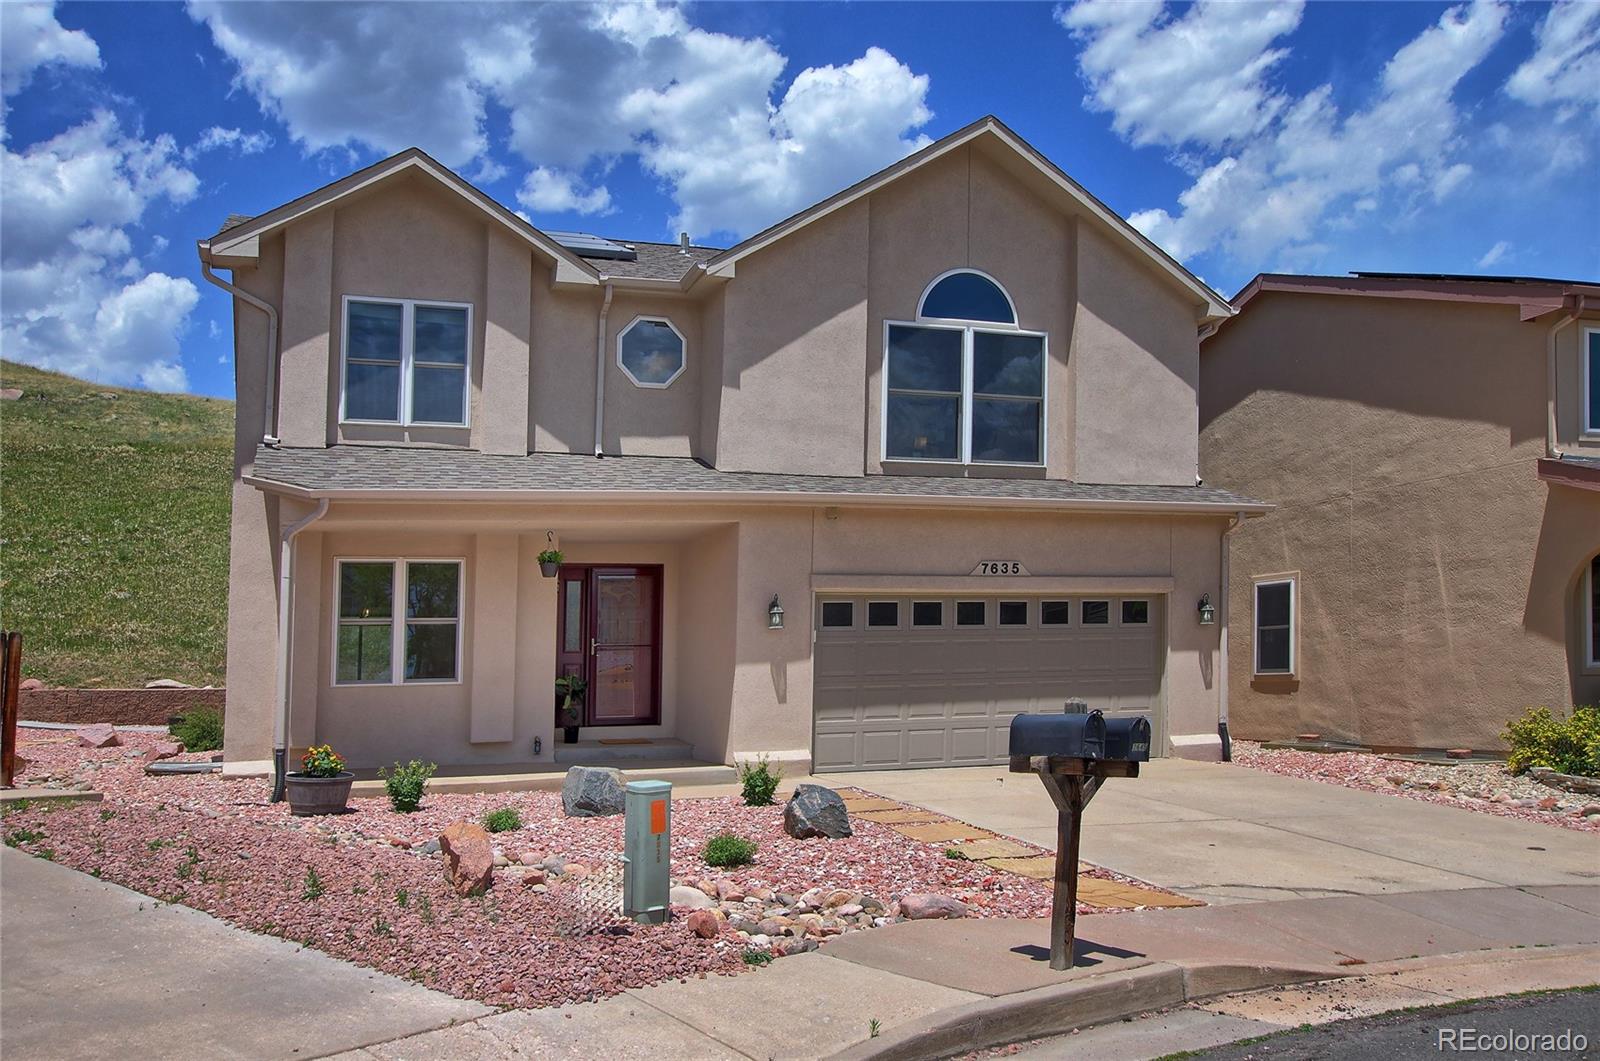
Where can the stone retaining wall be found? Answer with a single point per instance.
(125, 707)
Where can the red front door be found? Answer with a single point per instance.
(610, 633)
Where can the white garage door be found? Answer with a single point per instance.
(910, 681)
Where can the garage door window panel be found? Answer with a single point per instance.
(1013, 613)
(1055, 613)
(1135, 612)
(1096, 612)
(883, 613)
(838, 614)
(927, 613)
(1274, 619)
(971, 613)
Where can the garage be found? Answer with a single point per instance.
(902, 682)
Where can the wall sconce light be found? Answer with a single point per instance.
(1207, 610)
(774, 614)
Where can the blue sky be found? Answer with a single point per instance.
(1243, 137)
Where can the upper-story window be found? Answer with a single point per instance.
(963, 383)
(405, 361)
(1591, 381)
(650, 352)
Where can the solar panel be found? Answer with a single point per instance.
(591, 246)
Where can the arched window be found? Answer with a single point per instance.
(963, 383)
(967, 295)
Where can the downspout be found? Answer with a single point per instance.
(1222, 648)
(280, 724)
(269, 410)
(1550, 377)
(600, 372)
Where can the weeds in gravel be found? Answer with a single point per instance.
(873, 1028)
(190, 861)
(157, 844)
(956, 854)
(725, 849)
(23, 836)
(17, 807)
(107, 814)
(312, 887)
(405, 784)
(401, 897)
(380, 927)
(425, 909)
(758, 780)
(757, 957)
(503, 820)
(46, 853)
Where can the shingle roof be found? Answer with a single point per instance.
(345, 470)
(656, 261)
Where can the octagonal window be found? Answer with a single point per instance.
(651, 351)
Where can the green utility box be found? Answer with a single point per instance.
(647, 851)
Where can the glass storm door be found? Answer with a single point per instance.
(615, 613)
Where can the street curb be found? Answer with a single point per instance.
(1059, 1008)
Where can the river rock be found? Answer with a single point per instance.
(703, 923)
(693, 898)
(816, 811)
(592, 792)
(923, 906)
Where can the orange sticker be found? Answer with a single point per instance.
(658, 816)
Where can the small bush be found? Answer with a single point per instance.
(726, 849)
(758, 957)
(200, 730)
(759, 780)
(312, 887)
(503, 820)
(1568, 745)
(405, 784)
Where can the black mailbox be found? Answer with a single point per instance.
(1128, 739)
(1065, 736)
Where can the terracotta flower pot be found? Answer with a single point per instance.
(318, 795)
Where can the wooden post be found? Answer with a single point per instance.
(10, 691)
(1071, 783)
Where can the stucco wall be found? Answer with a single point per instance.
(658, 422)
(1436, 572)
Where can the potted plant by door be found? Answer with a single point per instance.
(550, 562)
(322, 785)
(571, 687)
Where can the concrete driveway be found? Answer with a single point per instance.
(1224, 833)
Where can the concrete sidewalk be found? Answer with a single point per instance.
(1228, 834)
(94, 970)
(936, 987)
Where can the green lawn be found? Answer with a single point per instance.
(114, 530)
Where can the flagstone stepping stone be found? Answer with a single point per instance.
(856, 804)
(997, 847)
(938, 832)
(1039, 867)
(898, 817)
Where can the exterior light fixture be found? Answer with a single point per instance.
(775, 614)
(1207, 610)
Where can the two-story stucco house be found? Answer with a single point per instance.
(850, 493)
(1433, 446)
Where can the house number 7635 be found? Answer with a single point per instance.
(999, 567)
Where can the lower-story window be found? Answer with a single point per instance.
(1274, 618)
(426, 639)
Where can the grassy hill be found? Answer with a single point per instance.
(114, 530)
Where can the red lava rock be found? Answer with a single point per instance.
(1549, 803)
(469, 857)
(577, 870)
(164, 749)
(729, 892)
(703, 924)
(506, 987)
(532, 877)
(100, 735)
(925, 905)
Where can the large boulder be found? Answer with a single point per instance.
(469, 857)
(816, 811)
(926, 905)
(99, 735)
(592, 792)
(693, 898)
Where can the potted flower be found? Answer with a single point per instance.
(322, 785)
(550, 562)
(571, 687)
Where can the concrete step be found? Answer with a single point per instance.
(589, 752)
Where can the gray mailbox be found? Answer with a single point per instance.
(1128, 739)
(1067, 736)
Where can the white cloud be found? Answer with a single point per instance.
(1166, 80)
(554, 192)
(1494, 254)
(31, 38)
(75, 298)
(1565, 65)
(1312, 167)
(238, 141)
(582, 85)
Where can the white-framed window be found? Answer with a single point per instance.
(1590, 358)
(1275, 606)
(397, 621)
(1591, 613)
(962, 383)
(651, 352)
(405, 361)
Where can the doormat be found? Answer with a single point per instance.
(626, 740)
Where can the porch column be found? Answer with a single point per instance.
(494, 639)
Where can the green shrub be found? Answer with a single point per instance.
(503, 820)
(200, 729)
(726, 849)
(758, 957)
(759, 780)
(312, 887)
(1569, 745)
(404, 784)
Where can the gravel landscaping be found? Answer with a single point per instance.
(370, 886)
(1486, 787)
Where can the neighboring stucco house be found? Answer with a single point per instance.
(1433, 446)
(946, 421)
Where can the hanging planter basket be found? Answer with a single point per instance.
(550, 563)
